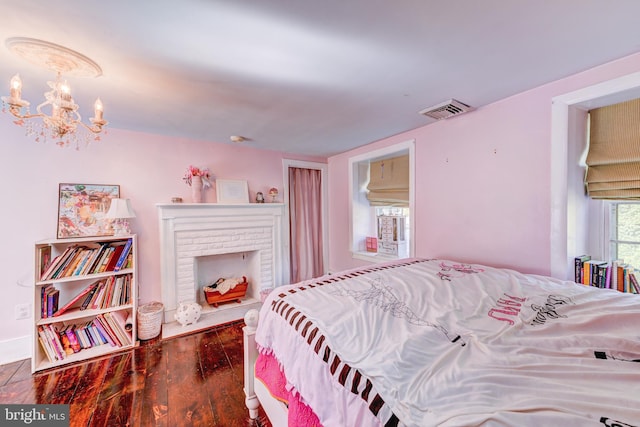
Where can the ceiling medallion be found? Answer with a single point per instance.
(62, 121)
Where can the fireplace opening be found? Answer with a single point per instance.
(210, 268)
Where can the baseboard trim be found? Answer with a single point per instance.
(15, 349)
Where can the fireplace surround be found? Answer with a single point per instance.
(245, 239)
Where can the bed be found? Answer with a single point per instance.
(427, 342)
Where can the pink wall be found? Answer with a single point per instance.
(149, 169)
(483, 180)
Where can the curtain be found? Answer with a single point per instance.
(305, 216)
(613, 159)
(389, 182)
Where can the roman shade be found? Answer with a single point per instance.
(389, 182)
(613, 158)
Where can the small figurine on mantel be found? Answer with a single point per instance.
(273, 192)
(259, 197)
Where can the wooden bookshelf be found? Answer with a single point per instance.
(66, 272)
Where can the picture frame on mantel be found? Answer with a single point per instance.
(82, 209)
(232, 191)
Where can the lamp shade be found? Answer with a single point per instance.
(120, 208)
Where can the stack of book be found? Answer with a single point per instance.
(50, 297)
(77, 260)
(614, 274)
(59, 341)
(112, 291)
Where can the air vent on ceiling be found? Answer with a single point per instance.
(446, 109)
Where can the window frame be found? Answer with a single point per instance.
(355, 163)
(569, 222)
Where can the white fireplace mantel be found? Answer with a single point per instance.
(191, 230)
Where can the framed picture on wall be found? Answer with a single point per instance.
(232, 191)
(82, 209)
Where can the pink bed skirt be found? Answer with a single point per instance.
(268, 371)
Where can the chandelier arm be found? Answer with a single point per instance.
(39, 108)
(96, 128)
(15, 111)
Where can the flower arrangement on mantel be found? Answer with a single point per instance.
(203, 173)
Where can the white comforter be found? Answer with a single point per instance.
(444, 344)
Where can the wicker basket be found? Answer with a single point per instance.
(150, 320)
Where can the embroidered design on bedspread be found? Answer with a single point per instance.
(611, 356)
(548, 310)
(613, 423)
(448, 272)
(381, 296)
(509, 306)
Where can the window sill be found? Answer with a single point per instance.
(374, 257)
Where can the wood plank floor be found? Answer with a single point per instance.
(193, 380)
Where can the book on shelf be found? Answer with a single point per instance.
(73, 301)
(101, 268)
(113, 258)
(92, 334)
(117, 321)
(122, 259)
(70, 269)
(97, 301)
(103, 333)
(73, 339)
(579, 267)
(53, 296)
(634, 285)
(86, 255)
(116, 299)
(596, 272)
(105, 329)
(67, 262)
(96, 258)
(52, 265)
(46, 351)
(54, 339)
(47, 345)
(83, 338)
(57, 263)
(89, 296)
(94, 295)
(43, 300)
(44, 259)
(99, 337)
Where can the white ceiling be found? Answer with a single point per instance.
(312, 77)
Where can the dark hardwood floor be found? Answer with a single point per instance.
(193, 380)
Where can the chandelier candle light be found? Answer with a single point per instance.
(62, 121)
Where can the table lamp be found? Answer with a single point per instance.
(120, 211)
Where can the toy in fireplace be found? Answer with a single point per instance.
(225, 290)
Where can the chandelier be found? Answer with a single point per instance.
(60, 119)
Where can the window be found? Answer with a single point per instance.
(365, 215)
(577, 221)
(624, 232)
(612, 176)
